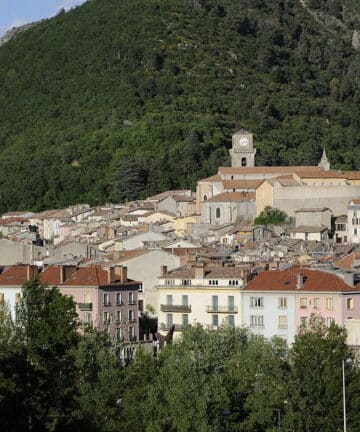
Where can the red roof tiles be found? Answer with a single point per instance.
(286, 280)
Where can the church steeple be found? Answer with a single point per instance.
(324, 161)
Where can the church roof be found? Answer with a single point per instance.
(232, 196)
(270, 170)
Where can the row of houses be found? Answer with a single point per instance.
(272, 303)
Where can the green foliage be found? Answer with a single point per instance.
(122, 99)
(270, 216)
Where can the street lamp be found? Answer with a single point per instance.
(348, 361)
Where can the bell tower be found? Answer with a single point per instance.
(324, 161)
(243, 151)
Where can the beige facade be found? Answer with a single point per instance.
(181, 225)
(199, 295)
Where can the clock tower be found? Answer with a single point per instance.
(242, 152)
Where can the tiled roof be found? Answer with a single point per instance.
(15, 275)
(10, 220)
(183, 198)
(347, 262)
(232, 196)
(214, 178)
(355, 201)
(241, 184)
(163, 195)
(91, 276)
(286, 280)
(50, 276)
(270, 170)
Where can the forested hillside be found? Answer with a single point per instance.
(124, 98)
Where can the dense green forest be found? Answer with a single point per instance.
(119, 99)
(55, 378)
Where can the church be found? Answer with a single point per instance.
(243, 190)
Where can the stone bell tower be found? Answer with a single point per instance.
(242, 152)
(324, 161)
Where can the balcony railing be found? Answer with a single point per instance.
(222, 309)
(167, 327)
(85, 306)
(175, 308)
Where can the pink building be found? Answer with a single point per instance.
(105, 299)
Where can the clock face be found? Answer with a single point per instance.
(243, 142)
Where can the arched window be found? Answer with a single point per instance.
(204, 198)
(243, 162)
(218, 213)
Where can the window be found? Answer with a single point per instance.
(169, 320)
(106, 299)
(330, 303)
(2, 299)
(213, 282)
(283, 322)
(303, 321)
(87, 298)
(185, 320)
(350, 303)
(233, 282)
(131, 298)
(119, 299)
(169, 282)
(215, 303)
(256, 301)
(185, 300)
(106, 318)
(17, 298)
(204, 198)
(217, 213)
(231, 320)
(86, 317)
(118, 316)
(256, 321)
(186, 282)
(231, 303)
(329, 321)
(303, 302)
(316, 303)
(215, 320)
(119, 334)
(243, 162)
(131, 315)
(169, 300)
(131, 332)
(282, 302)
(141, 305)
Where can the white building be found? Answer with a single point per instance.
(353, 221)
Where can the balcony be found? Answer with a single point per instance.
(175, 308)
(167, 327)
(222, 309)
(85, 306)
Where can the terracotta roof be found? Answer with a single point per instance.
(285, 280)
(347, 262)
(163, 195)
(214, 178)
(17, 275)
(283, 180)
(92, 276)
(183, 198)
(241, 184)
(270, 170)
(232, 196)
(355, 202)
(10, 220)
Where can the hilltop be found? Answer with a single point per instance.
(119, 99)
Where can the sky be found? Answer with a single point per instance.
(14, 13)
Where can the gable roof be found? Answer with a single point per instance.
(17, 275)
(232, 196)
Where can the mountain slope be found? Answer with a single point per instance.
(118, 99)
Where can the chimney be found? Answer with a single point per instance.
(121, 272)
(31, 272)
(61, 274)
(299, 281)
(163, 271)
(199, 270)
(111, 275)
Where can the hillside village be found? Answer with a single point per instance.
(185, 257)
